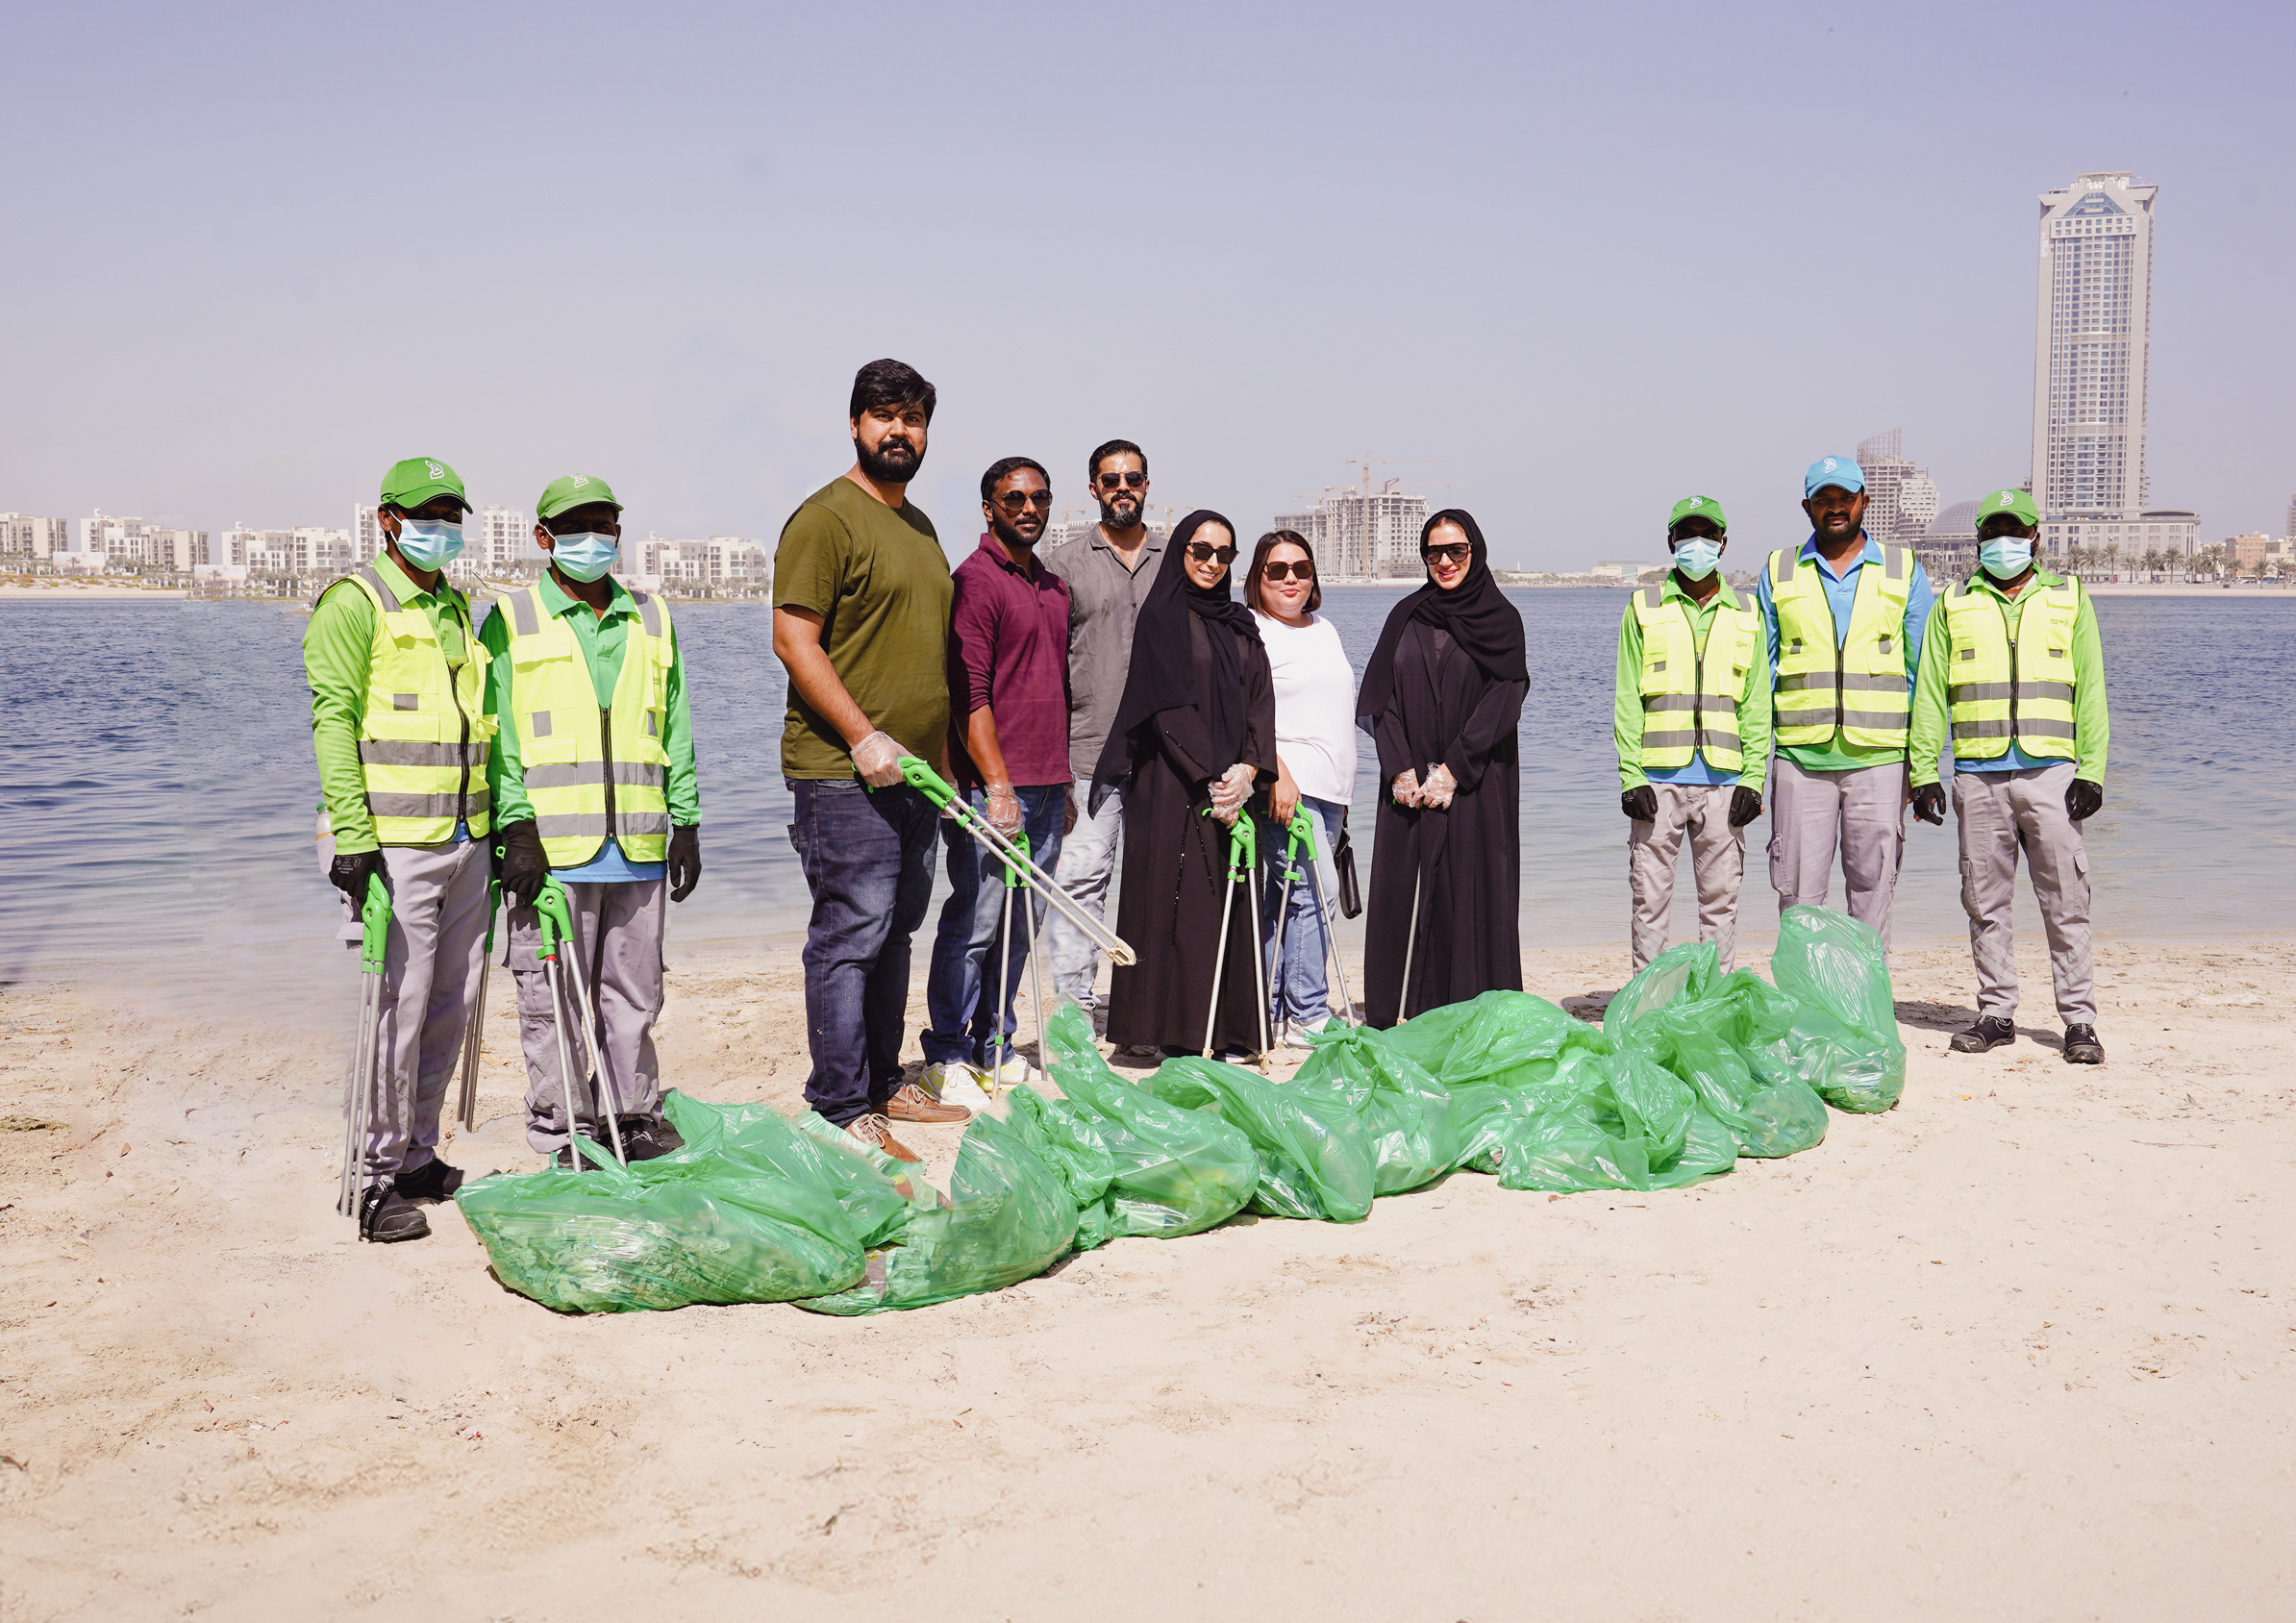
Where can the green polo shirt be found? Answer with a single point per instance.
(339, 644)
(603, 637)
(1627, 712)
(1933, 713)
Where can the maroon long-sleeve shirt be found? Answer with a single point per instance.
(1009, 651)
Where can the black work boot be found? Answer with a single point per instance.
(644, 1138)
(386, 1217)
(2081, 1047)
(433, 1180)
(1990, 1032)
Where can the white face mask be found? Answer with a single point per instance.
(429, 544)
(2005, 557)
(1697, 557)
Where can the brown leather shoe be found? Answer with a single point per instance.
(913, 1103)
(875, 1133)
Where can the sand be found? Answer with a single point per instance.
(2021, 1348)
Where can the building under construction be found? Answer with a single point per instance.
(1362, 534)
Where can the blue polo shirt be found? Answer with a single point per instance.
(1837, 754)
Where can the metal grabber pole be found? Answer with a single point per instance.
(1324, 910)
(374, 946)
(1404, 993)
(1245, 821)
(1036, 966)
(466, 1105)
(1241, 847)
(1301, 827)
(554, 899)
(1003, 1047)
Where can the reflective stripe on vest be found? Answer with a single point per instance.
(592, 773)
(1678, 678)
(422, 737)
(1856, 684)
(2011, 681)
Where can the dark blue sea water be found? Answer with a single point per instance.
(156, 789)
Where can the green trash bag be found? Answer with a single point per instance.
(1417, 1128)
(1606, 1121)
(1009, 1219)
(875, 1191)
(1682, 973)
(1067, 1139)
(1845, 1034)
(1174, 1171)
(1314, 1155)
(1701, 1041)
(1502, 1035)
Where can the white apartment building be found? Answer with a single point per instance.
(1901, 500)
(367, 535)
(2162, 530)
(720, 560)
(41, 538)
(498, 540)
(1360, 534)
(107, 539)
(307, 550)
(2091, 354)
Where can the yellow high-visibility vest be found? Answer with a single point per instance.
(1857, 684)
(591, 771)
(1677, 678)
(2012, 679)
(422, 740)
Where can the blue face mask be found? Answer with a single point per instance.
(1697, 557)
(2004, 558)
(582, 556)
(429, 544)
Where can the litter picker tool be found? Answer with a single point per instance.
(1243, 872)
(374, 945)
(1403, 993)
(1015, 881)
(553, 920)
(466, 1105)
(921, 776)
(1301, 841)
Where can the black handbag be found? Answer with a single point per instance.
(1343, 858)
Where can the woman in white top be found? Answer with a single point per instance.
(1316, 761)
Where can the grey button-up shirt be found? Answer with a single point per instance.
(1103, 601)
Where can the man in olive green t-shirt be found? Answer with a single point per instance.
(860, 620)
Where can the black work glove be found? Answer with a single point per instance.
(685, 860)
(1745, 804)
(1929, 803)
(524, 867)
(2084, 799)
(1640, 804)
(350, 874)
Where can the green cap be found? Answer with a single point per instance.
(1698, 507)
(575, 490)
(420, 479)
(2018, 504)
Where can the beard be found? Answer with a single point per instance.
(1121, 511)
(894, 461)
(1010, 533)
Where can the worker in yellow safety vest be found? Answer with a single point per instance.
(1843, 616)
(1691, 719)
(594, 782)
(2012, 683)
(401, 734)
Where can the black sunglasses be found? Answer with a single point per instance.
(1284, 570)
(1458, 554)
(1012, 501)
(1201, 551)
(1111, 481)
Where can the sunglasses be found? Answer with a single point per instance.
(1285, 570)
(1012, 501)
(1203, 551)
(1130, 480)
(1449, 555)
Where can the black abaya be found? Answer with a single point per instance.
(1468, 860)
(1176, 866)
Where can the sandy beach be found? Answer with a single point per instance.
(2020, 1348)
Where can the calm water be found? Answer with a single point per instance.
(157, 788)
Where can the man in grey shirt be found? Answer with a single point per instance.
(1109, 570)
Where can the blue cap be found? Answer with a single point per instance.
(1840, 471)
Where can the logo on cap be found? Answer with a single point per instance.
(1698, 501)
(435, 472)
(2006, 499)
(1829, 464)
(580, 479)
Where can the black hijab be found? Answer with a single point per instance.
(1487, 628)
(1163, 671)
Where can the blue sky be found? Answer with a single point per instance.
(1560, 267)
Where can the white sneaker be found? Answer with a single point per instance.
(1010, 1072)
(1290, 1035)
(941, 1074)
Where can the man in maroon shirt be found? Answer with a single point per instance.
(1008, 748)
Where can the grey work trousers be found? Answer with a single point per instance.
(1998, 815)
(1717, 864)
(1087, 866)
(617, 952)
(430, 975)
(1862, 814)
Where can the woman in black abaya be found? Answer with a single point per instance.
(1194, 734)
(1441, 697)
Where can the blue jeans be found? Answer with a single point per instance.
(1297, 987)
(1087, 867)
(967, 949)
(867, 856)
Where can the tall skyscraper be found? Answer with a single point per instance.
(1900, 499)
(2090, 355)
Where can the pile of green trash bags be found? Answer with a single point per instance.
(1690, 1069)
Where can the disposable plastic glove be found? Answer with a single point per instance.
(2082, 799)
(1440, 788)
(1640, 804)
(1404, 788)
(1003, 809)
(1929, 803)
(1745, 804)
(1228, 788)
(685, 860)
(876, 757)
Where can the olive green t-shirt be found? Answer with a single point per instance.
(881, 584)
